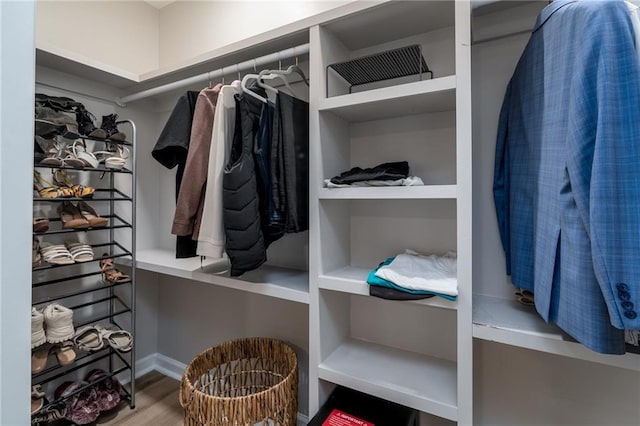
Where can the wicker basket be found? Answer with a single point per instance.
(242, 383)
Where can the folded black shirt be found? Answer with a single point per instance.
(386, 171)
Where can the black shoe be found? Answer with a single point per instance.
(85, 124)
(49, 123)
(111, 128)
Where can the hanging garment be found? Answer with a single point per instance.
(188, 214)
(272, 224)
(211, 236)
(241, 207)
(290, 162)
(567, 175)
(171, 150)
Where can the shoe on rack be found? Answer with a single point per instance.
(39, 357)
(58, 323)
(37, 398)
(55, 254)
(79, 191)
(50, 413)
(95, 220)
(118, 339)
(38, 336)
(80, 252)
(107, 388)
(40, 222)
(86, 124)
(71, 217)
(47, 189)
(82, 407)
(64, 352)
(110, 274)
(36, 256)
(111, 128)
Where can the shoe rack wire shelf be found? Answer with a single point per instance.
(112, 305)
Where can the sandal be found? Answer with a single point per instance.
(88, 339)
(71, 216)
(39, 358)
(108, 389)
(36, 257)
(79, 150)
(40, 224)
(80, 252)
(115, 159)
(49, 191)
(117, 338)
(110, 275)
(37, 398)
(78, 191)
(90, 214)
(50, 413)
(64, 353)
(56, 254)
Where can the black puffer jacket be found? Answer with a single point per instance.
(241, 205)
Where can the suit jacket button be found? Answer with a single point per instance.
(630, 314)
(624, 295)
(622, 287)
(627, 306)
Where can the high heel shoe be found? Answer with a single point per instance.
(71, 216)
(109, 125)
(50, 190)
(79, 191)
(90, 214)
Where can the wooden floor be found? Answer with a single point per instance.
(156, 404)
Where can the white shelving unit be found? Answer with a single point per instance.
(426, 123)
(395, 375)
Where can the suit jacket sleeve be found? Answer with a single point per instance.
(501, 179)
(604, 160)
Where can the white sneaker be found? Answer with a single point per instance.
(59, 323)
(37, 330)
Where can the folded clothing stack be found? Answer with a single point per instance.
(410, 276)
(387, 174)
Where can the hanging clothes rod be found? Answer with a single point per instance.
(291, 52)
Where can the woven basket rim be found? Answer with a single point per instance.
(284, 381)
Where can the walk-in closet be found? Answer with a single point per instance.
(256, 173)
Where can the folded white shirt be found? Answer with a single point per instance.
(417, 272)
(408, 181)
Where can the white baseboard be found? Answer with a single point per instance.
(175, 369)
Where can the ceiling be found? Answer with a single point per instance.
(159, 4)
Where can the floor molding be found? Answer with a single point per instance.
(175, 369)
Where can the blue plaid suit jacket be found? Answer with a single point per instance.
(567, 171)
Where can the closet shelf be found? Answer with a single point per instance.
(95, 258)
(91, 357)
(403, 99)
(418, 381)
(511, 323)
(102, 287)
(389, 193)
(99, 195)
(86, 169)
(352, 280)
(124, 224)
(272, 281)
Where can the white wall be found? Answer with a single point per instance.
(122, 34)
(16, 135)
(190, 28)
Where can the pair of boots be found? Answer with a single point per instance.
(108, 128)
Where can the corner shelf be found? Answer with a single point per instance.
(352, 280)
(422, 382)
(390, 193)
(418, 97)
(268, 280)
(507, 321)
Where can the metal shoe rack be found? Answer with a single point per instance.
(90, 299)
